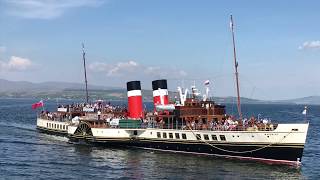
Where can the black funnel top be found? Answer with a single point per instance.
(162, 84)
(133, 85)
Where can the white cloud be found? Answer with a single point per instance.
(15, 64)
(134, 69)
(310, 45)
(46, 9)
(123, 67)
(118, 69)
(165, 72)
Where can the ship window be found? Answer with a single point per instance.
(60, 126)
(158, 134)
(206, 137)
(214, 137)
(55, 126)
(222, 137)
(177, 135)
(64, 126)
(170, 135)
(294, 129)
(184, 136)
(47, 125)
(198, 137)
(164, 135)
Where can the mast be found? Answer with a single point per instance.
(85, 72)
(236, 68)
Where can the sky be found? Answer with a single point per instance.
(184, 41)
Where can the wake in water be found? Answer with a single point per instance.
(55, 138)
(27, 127)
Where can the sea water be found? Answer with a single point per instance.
(27, 154)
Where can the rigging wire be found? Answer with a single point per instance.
(239, 152)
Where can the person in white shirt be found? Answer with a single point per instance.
(99, 114)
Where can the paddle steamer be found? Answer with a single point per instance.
(194, 124)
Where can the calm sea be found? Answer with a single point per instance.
(28, 154)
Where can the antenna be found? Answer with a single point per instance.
(236, 67)
(85, 72)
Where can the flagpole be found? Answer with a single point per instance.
(85, 72)
(42, 107)
(236, 68)
(305, 114)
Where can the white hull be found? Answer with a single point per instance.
(53, 127)
(283, 145)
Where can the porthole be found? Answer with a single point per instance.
(177, 135)
(214, 137)
(222, 137)
(184, 136)
(170, 135)
(164, 135)
(198, 136)
(206, 137)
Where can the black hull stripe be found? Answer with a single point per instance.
(284, 153)
(52, 131)
(227, 156)
(214, 143)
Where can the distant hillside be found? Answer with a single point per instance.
(312, 100)
(50, 90)
(24, 89)
(231, 100)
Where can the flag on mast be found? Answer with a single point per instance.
(207, 82)
(304, 112)
(37, 105)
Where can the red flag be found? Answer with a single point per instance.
(37, 105)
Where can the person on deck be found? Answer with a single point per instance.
(99, 114)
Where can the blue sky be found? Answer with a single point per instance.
(278, 43)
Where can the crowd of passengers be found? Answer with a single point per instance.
(231, 124)
(97, 107)
(107, 112)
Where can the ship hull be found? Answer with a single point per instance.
(52, 131)
(284, 145)
(289, 154)
(52, 127)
